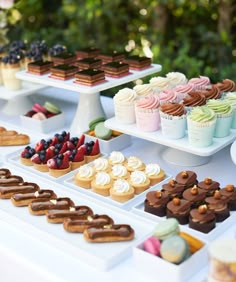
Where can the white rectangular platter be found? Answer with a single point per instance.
(217, 231)
(179, 144)
(69, 181)
(70, 85)
(96, 254)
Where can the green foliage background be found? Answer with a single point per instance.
(195, 37)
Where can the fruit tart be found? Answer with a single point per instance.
(92, 151)
(59, 165)
(40, 159)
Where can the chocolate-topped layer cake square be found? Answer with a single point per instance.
(39, 67)
(90, 77)
(89, 52)
(63, 71)
(138, 62)
(88, 63)
(116, 69)
(64, 58)
(113, 56)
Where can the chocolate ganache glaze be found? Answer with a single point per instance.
(26, 187)
(4, 173)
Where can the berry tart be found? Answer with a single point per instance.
(92, 151)
(59, 165)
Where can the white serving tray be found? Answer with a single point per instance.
(213, 234)
(179, 144)
(101, 256)
(69, 181)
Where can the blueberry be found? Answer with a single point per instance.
(32, 151)
(60, 138)
(63, 133)
(58, 146)
(58, 162)
(91, 143)
(27, 155)
(60, 156)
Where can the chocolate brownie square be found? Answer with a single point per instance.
(63, 72)
(90, 77)
(39, 67)
(138, 62)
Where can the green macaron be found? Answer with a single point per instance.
(94, 122)
(166, 228)
(102, 132)
(51, 108)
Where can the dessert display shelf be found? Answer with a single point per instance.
(17, 101)
(179, 151)
(89, 106)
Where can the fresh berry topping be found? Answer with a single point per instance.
(95, 148)
(79, 155)
(81, 141)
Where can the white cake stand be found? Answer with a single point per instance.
(89, 106)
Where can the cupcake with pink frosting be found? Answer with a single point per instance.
(147, 113)
(182, 91)
(167, 96)
(200, 83)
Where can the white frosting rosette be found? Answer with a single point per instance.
(119, 170)
(143, 90)
(159, 83)
(138, 177)
(102, 178)
(101, 164)
(85, 171)
(121, 186)
(116, 157)
(176, 78)
(124, 105)
(152, 169)
(134, 162)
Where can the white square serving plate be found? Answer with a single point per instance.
(43, 126)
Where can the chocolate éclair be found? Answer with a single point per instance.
(4, 173)
(76, 212)
(24, 199)
(80, 224)
(41, 206)
(6, 191)
(109, 233)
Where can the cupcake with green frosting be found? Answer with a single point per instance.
(231, 98)
(224, 116)
(201, 122)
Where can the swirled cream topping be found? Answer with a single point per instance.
(116, 157)
(219, 106)
(148, 102)
(101, 164)
(119, 170)
(202, 114)
(173, 109)
(121, 186)
(134, 162)
(183, 88)
(85, 171)
(167, 95)
(143, 89)
(102, 178)
(159, 83)
(138, 177)
(152, 169)
(125, 96)
(176, 78)
(231, 98)
(200, 82)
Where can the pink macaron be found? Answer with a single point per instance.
(152, 245)
(39, 108)
(39, 116)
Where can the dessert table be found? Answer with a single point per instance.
(27, 258)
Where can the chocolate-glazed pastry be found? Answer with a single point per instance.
(186, 178)
(76, 212)
(79, 224)
(195, 196)
(11, 180)
(229, 191)
(109, 233)
(25, 187)
(173, 189)
(218, 204)
(41, 206)
(202, 219)
(24, 199)
(4, 173)
(155, 202)
(178, 209)
(209, 185)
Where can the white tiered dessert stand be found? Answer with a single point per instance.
(89, 106)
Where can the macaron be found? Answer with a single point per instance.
(95, 121)
(102, 132)
(39, 116)
(39, 108)
(166, 228)
(174, 249)
(51, 108)
(152, 245)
